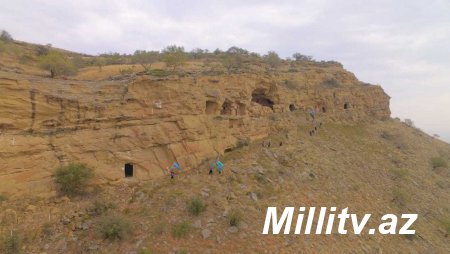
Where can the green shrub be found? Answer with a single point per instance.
(387, 135)
(73, 178)
(272, 59)
(300, 57)
(80, 62)
(145, 251)
(196, 206)
(232, 62)
(446, 224)
(291, 84)
(400, 197)
(438, 162)
(174, 56)
(101, 206)
(145, 58)
(3, 197)
(159, 73)
(126, 71)
(25, 59)
(234, 218)
(242, 142)
(260, 178)
(331, 83)
(159, 228)
(5, 36)
(42, 50)
(181, 229)
(2, 46)
(409, 122)
(411, 237)
(47, 229)
(399, 173)
(11, 244)
(114, 227)
(57, 64)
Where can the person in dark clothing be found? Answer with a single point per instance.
(172, 174)
(210, 170)
(312, 113)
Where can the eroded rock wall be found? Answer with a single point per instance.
(152, 122)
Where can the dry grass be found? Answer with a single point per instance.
(181, 229)
(439, 162)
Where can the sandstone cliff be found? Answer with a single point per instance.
(151, 122)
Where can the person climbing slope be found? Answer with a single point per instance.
(211, 170)
(312, 113)
(219, 165)
(172, 168)
(171, 172)
(176, 166)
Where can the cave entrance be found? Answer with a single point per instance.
(211, 107)
(292, 107)
(346, 105)
(226, 108)
(129, 170)
(259, 96)
(228, 150)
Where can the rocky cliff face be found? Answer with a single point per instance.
(151, 122)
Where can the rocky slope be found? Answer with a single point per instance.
(377, 167)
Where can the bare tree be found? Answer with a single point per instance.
(57, 64)
(272, 59)
(5, 36)
(300, 57)
(409, 122)
(174, 56)
(145, 58)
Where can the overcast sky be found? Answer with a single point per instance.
(403, 45)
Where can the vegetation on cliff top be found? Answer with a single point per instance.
(64, 63)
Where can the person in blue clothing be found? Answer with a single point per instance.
(219, 165)
(176, 165)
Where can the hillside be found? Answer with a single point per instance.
(358, 158)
